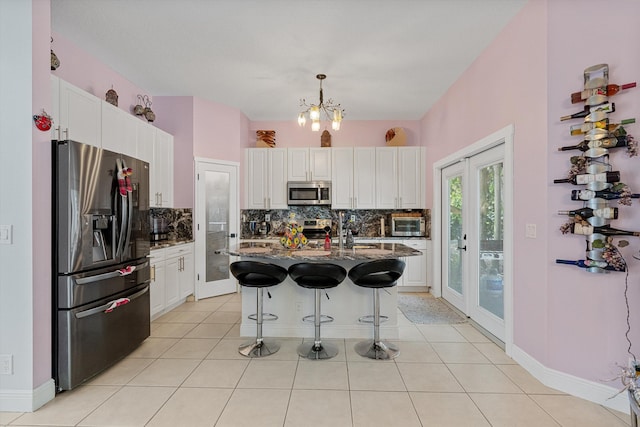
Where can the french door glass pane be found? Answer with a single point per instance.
(217, 214)
(490, 225)
(455, 234)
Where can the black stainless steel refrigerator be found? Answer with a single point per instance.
(100, 259)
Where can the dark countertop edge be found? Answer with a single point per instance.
(277, 252)
(168, 243)
(334, 238)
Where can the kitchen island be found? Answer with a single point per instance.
(345, 303)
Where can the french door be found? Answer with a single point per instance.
(216, 218)
(474, 218)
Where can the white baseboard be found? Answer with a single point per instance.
(585, 389)
(27, 400)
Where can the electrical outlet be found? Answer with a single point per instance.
(6, 364)
(353, 218)
(299, 306)
(267, 217)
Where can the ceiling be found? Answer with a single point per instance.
(384, 60)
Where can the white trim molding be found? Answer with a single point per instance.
(27, 400)
(579, 387)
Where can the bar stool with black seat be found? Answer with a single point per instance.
(259, 275)
(317, 276)
(378, 274)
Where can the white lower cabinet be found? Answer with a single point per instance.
(416, 272)
(172, 277)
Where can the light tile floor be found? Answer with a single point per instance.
(189, 373)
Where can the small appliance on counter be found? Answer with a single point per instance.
(264, 228)
(159, 229)
(408, 224)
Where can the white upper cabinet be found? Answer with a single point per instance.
(79, 115)
(161, 171)
(399, 178)
(309, 164)
(266, 178)
(364, 185)
(119, 130)
(353, 181)
(145, 138)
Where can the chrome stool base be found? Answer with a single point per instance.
(255, 349)
(322, 351)
(379, 351)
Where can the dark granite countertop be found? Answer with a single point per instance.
(315, 251)
(168, 243)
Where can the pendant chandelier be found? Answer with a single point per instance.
(333, 112)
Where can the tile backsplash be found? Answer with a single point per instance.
(366, 224)
(180, 221)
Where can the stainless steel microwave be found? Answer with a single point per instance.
(407, 226)
(309, 193)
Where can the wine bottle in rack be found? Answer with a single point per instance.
(611, 142)
(613, 176)
(600, 194)
(602, 124)
(606, 213)
(587, 229)
(608, 107)
(608, 90)
(586, 263)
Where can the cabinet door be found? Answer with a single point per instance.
(172, 283)
(145, 135)
(119, 132)
(320, 164)
(410, 178)
(364, 180)
(156, 293)
(342, 178)
(80, 115)
(415, 273)
(163, 166)
(256, 161)
(277, 178)
(298, 164)
(187, 275)
(386, 177)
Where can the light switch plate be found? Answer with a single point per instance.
(530, 231)
(6, 234)
(6, 364)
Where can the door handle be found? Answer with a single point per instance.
(462, 242)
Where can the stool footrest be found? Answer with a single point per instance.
(323, 318)
(369, 319)
(266, 317)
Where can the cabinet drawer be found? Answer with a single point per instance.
(176, 251)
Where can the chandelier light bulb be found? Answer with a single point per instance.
(315, 125)
(302, 120)
(314, 112)
(335, 125)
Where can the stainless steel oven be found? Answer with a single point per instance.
(309, 193)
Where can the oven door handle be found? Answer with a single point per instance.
(111, 305)
(111, 274)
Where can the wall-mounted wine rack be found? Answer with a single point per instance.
(592, 171)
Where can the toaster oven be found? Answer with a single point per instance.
(407, 226)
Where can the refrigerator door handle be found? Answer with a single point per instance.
(116, 273)
(129, 206)
(124, 219)
(111, 305)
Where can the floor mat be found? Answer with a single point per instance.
(425, 309)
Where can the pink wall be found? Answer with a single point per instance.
(507, 85)
(594, 326)
(567, 319)
(85, 71)
(357, 133)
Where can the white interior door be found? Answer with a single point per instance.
(217, 219)
(474, 227)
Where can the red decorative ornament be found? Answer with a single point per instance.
(43, 121)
